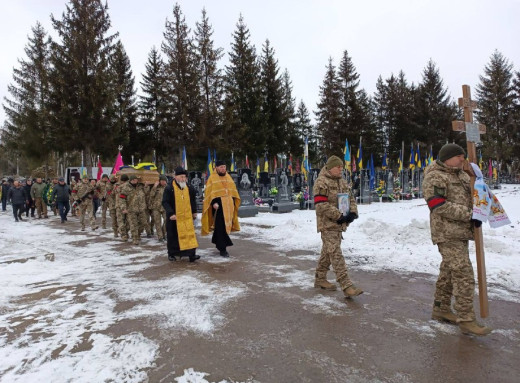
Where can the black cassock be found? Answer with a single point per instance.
(172, 237)
(220, 236)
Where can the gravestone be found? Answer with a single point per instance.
(196, 181)
(283, 202)
(364, 184)
(297, 182)
(389, 187)
(244, 185)
(264, 184)
(313, 176)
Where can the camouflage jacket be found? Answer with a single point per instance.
(326, 191)
(132, 198)
(156, 196)
(102, 188)
(84, 191)
(112, 189)
(447, 191)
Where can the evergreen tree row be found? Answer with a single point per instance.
(77, 93)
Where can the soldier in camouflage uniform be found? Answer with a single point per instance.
(122, 218)
(111, 192)
(84, 195)
(447, 191)
(331, 224)
(73, 190)
(37, 190)
(102, 187)
(148, 227)
(133, 203)
(158, 212)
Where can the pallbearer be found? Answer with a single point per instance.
(181, 210)
(220, 208)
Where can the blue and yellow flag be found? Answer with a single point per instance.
(418, 157)
(412, 157)
(232, 167)
(400, 160)
(384, 165)
(162, 169)
(184, 159)
(360, 156)
(258, 168)
(266, 164)
(209, 170)
(346, 157)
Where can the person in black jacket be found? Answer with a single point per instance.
(18, 198)
(61, 194)
(30, 202)
(180, 213)
(5, 191)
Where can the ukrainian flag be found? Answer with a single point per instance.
(384, 165)
(258, 168)
(209, 169)
(412, 158)
(360, 156)
(346, 157)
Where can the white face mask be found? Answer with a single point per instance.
(182, 185)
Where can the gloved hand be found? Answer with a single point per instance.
(103, 199)
(349, 218)
(476, 222)
(78, 201)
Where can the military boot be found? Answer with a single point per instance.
(473, 328)
(324, 284)
(444, 316)
(352, 291)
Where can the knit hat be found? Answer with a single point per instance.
(61, 179)
(333, 161)
(124, 177)
(104, 175)
(180, 170)
(450, 150)
(162, 177)
(132, 177)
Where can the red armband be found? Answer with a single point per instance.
(74, 191)
(436, 201)
(320, 198)
(122, 196)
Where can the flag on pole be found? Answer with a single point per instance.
(162, 169)
(480, 161)
(266, 164)
(99, 169)
(154, 159)
(372, 173)
(346, 158)
(430, 158)
(258, 168)
(306, 166)
(400, 160)
(232, 166)
(247, 162)
(418, 157)
(289, 164)
(412, 157)
(184, 159)
(209, 170)
(360, 156)
(118, 163)
(385, 163)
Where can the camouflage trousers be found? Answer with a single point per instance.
(331, 255)
(159, 221)
(148, 227)
(86, 208)
(113, 215)
(122, 223)
(137, 222)
(456, 279)
(41, 207)
(104, 207)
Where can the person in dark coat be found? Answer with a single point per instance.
(18, 198)
(30, 202)
(61, 194)
(5, 191)
(181, 210)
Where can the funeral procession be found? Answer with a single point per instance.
(182, 202)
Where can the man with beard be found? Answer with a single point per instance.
(220, 208)
(181, 209)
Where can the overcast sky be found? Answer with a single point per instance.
(382, 37)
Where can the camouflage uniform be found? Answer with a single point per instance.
(112, 188)
(325, 191)
(133, 200)
(158, 212)
(148, 211)
(122, 218)
(37, 190)
(102, 187)
(448, 193)
(85, 193)
(73, 190)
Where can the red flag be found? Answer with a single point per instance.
(298, 170)
(490, 169)
(99, 170)
(247, 162)
(353, 162)
(118, 164)
(275, 165)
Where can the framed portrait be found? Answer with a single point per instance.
(344, 203)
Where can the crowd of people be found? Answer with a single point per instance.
(170, 209)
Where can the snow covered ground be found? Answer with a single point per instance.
(59, 286)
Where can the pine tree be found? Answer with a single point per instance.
(152, 102)
(182, 92)
(305, 128)
(242, 96)
(496, 108)
(516, 129)
(210, 84)
(434, 110)
(292, 140)
(273, 113)
(124, 109)
(81, 79)
(329, 113)
(27, 130)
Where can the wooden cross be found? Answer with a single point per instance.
(473, 132)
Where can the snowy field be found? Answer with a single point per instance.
(61, 291)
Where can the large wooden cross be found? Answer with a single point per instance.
(473, 132)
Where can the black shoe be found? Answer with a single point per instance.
(194, 258)
(20, 218)
(16, 220)
(224, 254)
(171, 258)
(62, 221)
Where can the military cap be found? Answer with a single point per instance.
(162, 177)
(132, 177)
(333, 161)
(450, 150)
(124, 177)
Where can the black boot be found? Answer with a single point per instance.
(224, 253)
